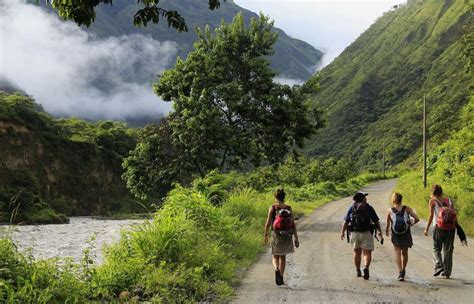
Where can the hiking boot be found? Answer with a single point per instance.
(277, 276)
(437, 272)
(359, 273)
(366, 273)
(401, 276)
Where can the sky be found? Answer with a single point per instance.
(66, 70)
(328, 25)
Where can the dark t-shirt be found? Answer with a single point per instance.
(370, 211)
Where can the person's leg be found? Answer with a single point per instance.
(276, 261)
(398, 257)
(357, 257)
(404, 251)
(437, 247)
(448, 247)
(282, 264)
(367, 257)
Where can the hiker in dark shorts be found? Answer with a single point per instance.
(444, 224)
(360, 220)
(398, 219)
(280, 220)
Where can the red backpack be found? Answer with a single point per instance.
(282, 219)
(446, 215)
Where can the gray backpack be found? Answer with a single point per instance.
(400, 221)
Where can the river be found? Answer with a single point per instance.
(67, 240)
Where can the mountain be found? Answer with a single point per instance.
(69, 165)
(293, 58)
(373, 92)
(8, 86)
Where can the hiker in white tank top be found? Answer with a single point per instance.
(443, 237)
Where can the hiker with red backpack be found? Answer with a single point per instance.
(360, 220)
(281, 222)
(398, 225)
(444, 215)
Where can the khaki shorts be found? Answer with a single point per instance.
(364, 240)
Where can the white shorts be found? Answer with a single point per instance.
(364, 240)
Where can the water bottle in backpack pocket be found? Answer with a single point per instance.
(400, 221)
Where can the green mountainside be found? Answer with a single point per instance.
(373, 92)
(69, 165)
(293, 58)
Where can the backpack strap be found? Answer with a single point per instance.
(394, 210)
(437, 202)
(448, 202)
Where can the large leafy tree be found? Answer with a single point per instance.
(228, 112)
(83, 12)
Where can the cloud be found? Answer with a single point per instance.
(328, 25)
(288, 81)
(70, 72)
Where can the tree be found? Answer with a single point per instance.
(228, 112)
(82, 12)
(155, 163)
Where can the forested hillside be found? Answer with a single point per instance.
(373, 92)
(293, 58)
(66, 165)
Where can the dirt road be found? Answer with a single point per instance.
(321, 270)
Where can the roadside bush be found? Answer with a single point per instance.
(24, 280)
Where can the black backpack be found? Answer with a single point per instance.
(360, 219)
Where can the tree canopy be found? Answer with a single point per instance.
(82, 12)
(228, 112)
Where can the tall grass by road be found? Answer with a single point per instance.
(194, 249)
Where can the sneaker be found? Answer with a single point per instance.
(366, 273)
(359, 273)
(438, 271)
(446, 276)
(277, 276)
(401, 276)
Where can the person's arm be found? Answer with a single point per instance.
(295, 233)
(343, 229)
(267, 225)
(346, 223)
(430, 219)
(413, 215)
(379, 229)
(376, 221)
(389, 224)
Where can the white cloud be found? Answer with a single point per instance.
(288, 81)
(328, 25)
(71, 73)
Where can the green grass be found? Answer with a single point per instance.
(195, 248)
(452, 166)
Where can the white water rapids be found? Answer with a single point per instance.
(67, 240)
